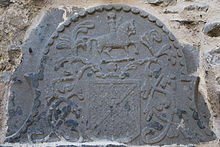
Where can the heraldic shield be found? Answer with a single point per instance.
(108, 73)
(115, 111)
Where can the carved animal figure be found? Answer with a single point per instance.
(118, 39)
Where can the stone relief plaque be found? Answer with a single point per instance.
(112, 73)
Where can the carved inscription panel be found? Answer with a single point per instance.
(109, 73)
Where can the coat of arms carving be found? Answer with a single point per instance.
(111, 73)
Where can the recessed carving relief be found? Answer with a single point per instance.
(108, 73)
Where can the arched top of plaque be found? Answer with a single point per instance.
(115, 73)
(155, 29)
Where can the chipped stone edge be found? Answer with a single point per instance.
(98, 9)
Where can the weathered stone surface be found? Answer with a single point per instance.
(69, 144)
(167, 11)
(94, 145)
(185, 21)
(197, 7)
(212, 29)
(164, 2)
(6, 76)
(191, 55)
(212, 78)
(218, 80)
(4, 88)
(14, 21)
(155, 2)
(30, 50)
(4, 2)
(169, 2)
(109, 73)
(213, 57)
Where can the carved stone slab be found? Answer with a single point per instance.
(112, 73)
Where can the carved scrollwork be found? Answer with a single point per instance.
(107, 77)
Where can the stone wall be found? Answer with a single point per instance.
(195, 23)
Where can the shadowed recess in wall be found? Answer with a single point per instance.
(111, 73)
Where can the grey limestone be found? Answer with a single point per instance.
(4, 3)
(213, 57)
(197, 7)
(113, 73)
(164, 2)
(212, 29)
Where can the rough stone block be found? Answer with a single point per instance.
(212, 29)
(197, 7)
